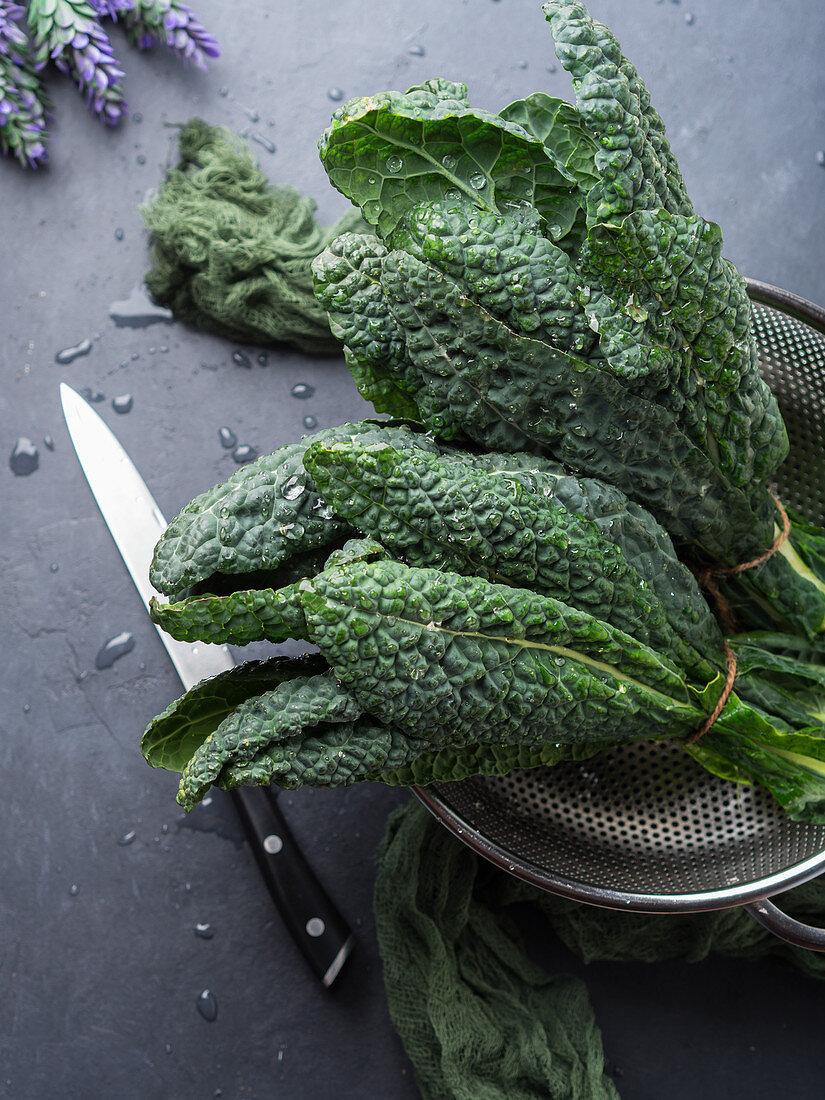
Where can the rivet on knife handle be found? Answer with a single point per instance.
(320, 931)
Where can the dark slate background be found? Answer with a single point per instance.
(100, 968)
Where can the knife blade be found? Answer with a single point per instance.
(136, 523)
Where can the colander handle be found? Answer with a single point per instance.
(785, 927)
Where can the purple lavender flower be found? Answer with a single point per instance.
(173, 23)
(22, 103)
(68, 33)
(111, 9)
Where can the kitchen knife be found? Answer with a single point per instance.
(136, 523)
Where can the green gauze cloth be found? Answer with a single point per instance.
(478, 1019)
(231, 252)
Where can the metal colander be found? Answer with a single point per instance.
(643, 827)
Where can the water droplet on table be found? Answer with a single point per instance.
(335, 94)
(241, 359)
(113, 650)
(26, 708)
(24, 458)
(689, 17)
(48, 442)
(417, 50)
(141, 159)
(522, 64)
(265, 142)
(127, 838)
(118, 234)
(302, 390)
(138, 311)
(310, 422)
(123, 403)
(228, 438)
(68, 355)
(820, 158)
(137, 118)
(204, 931)
(207, 1005)
(94, 396)
(263, 359)
(53, 568)
(74, 890)
(223, 92)
(245, 453)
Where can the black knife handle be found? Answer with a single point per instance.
(320, 931)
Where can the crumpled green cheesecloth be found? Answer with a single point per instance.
(478, 1018)
(481, 1021)
(232, 252)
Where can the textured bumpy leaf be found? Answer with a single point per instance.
(265, 514)
(560, 128)
(346, 276)
(671, 268)
(390, 151)
(440, 512)
(643, 542)
(248, 615)
(264, 613)
(174, 736)
(452, 764)
(508, 392)
(293, 706)
(505, 263)
(327, 756)
(459, 660)
(636, 167)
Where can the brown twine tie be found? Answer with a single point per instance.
(705, 577)
(730, 657)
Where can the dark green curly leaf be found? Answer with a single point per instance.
(506, 264)
(636, 167)
(289, 709)
(390, 151)
(460, 660)
(326, 756)
(263, 516)
(434, 511)
(173, 737)
(508, 392)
